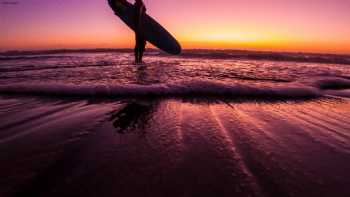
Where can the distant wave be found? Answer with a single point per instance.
(202, 53)
(179, 89)
(30, 57)
(36, 68)
(63, 51)
(273, 56)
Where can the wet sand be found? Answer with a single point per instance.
(174, 147)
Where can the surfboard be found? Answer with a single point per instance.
(152, 30)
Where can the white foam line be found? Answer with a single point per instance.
(184, 88)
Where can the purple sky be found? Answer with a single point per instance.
(295, 25)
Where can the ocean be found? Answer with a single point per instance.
(205, 123)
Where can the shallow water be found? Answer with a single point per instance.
(95, 125)
(112, 74)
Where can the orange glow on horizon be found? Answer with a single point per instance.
(270, 25)
(213, 41)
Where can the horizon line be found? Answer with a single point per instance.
(102, 49)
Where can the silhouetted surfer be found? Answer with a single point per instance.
(144, 26)
(140, 10)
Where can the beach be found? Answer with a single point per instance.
(202, 124)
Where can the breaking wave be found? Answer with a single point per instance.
(179, 89)
(333, 83)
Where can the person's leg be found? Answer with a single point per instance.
(136, 50)
(138, 46)
(142, 49)
(136, 54)
(140, 54)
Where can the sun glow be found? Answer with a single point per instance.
(263, 25)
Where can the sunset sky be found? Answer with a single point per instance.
(283, 25)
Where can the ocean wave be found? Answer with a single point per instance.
(197, 53)
(37, 57)
(333, 83)
(179, 89)
(51, 67)
(272, 56)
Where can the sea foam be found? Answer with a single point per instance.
(199, 88)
